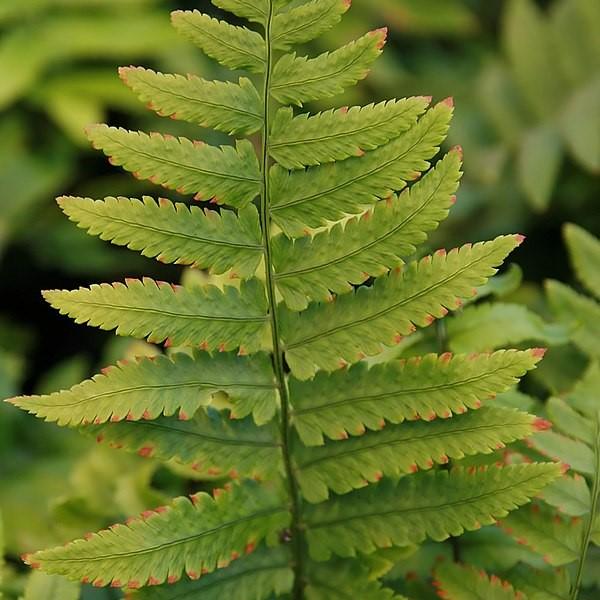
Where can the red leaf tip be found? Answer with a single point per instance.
(520, 238)
(542, 424)
(382, 33)
(459, 150)
(539, 352)
(347, 4)
(449, 101)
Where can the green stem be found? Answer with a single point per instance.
(297, 541)
(593, 511)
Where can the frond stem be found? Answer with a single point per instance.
(265, 217)
(585, 543)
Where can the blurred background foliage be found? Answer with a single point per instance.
(525, 76)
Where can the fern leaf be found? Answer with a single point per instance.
(457, 582)
(400, 449)
(573, 453)
(233, 47)
(196, 536)
(584, 250)
(174, 233)
(306, 22)
(258, 576)
(256, 11)
(311, 268)
(296, 142)
(226, 175)
(50, 587)
(554, 584)
(210, 443)
(570, 495)
(435, 504)
(329, 192)
(330, 335)
(347, 402)
(495, 324)
(297, 80)
(207, 317)
(570, 422)
(546, 532)
(221, 105)
(150, 387)
(579, 312)
(344, 580)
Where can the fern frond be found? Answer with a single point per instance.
(348, 401)
(173, 232)
(207, 317)
(193, 536)
(570, 495)
(495, 324)
(546, 532)
(210, 443)
(311, 268)
(579, 312)
(327, 336)
(547, 584)
(458, 582)
(233, 47)
(568, 421)
(226, 175)
(299, 79)
(573, 453)
(258, 576)
(256, 11)
(306, 22)
(50, 587)
(435, 504)
(150, 387)
(400, 449)
(338, 134)
(310, 198)
(584, 250)
(221, 105)
(344, 580)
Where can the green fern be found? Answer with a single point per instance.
(257, 386)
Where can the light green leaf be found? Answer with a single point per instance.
(298, 80)
(234, 47)
(221, 105)
(327, 193)
(339, 134)
(306, 22)
(226, 174)
(548, 584)
(546, 533)
(584, 396)
(435, 504)
(538, 165)
(253, 10)
(561, 448)
(343, 466)
(584, 251)
(173, 233)
(50, 587)
(254, 577)
(208, 317)
(161, 385)
(311, 268)
(570, 495)
(493, 325)
(427, 387)
(458, 582)
(210, 443)
(570, 422)
(327, 336)
(192, 536)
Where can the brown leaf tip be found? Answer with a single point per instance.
(520, 238)
(542, 424)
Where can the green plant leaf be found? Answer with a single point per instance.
(343, 466)
(347, 401)
(50, 587)
(311, 268)
(210, 443)
(459, 582)
(207, 317)
(254, 577)
(161, 385)
(330, 335)
(297, 80)
(435, 504)
(253, 10)
(173, 232)
(226, 175)
(306, 22)
(221, 105)
(570, 495)
(584, 251)
(554, 584)
(327, 193)
(195, 536)
(573, 453)
(233, 47)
